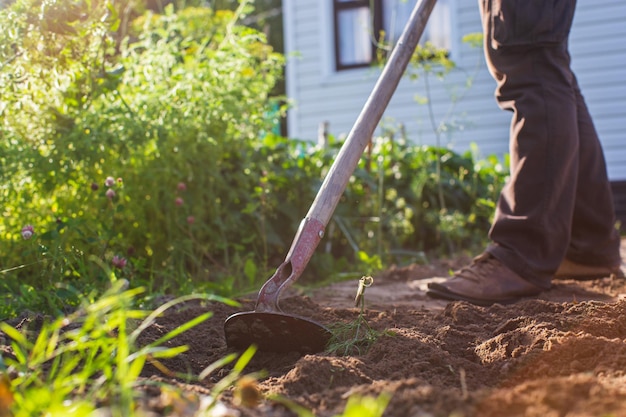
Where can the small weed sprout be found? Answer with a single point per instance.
(355, 337)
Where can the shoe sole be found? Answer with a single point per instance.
(591, 277)
(440, 292)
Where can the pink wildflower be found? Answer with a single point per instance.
(181, 186)
(109, 182)
(119, 262)
(179, 201)
(94, 186)
(191, 220)
(28, 231)
(110, 193)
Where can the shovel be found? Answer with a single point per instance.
(268, 327)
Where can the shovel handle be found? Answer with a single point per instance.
(311, 229)
(350, 153)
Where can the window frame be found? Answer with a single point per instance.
(376, 23)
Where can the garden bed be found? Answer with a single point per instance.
(561, 354)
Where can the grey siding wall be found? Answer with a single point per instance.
(597, 44)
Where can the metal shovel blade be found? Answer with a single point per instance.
(267, 326)
(275, 332)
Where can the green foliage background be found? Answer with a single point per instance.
(178, 108)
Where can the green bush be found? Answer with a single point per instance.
(400, 204)
(145, 146)
(173, 113)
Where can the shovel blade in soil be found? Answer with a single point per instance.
(275, 332)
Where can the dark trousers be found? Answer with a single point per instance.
(558, 202)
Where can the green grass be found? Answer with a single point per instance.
(91, 358)
(89, 363)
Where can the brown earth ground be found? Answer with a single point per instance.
(561, 354)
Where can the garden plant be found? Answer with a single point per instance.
(139, 159)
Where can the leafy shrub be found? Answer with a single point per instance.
(150, 152)
(399, 204)
(89, 362)
(172, 111)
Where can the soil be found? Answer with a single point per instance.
(560, 354)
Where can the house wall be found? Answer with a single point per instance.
(597, 45)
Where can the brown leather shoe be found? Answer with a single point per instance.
(573, 270)
(486, 281)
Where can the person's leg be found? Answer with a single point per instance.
(594, 239)
(528, 57)
(526, 52)
(531, 228)
(571, 209)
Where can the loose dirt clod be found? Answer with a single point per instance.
(563, 353)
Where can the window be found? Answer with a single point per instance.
(354, 45)
(358, 24)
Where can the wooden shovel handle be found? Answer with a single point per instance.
(311, 229)
(346, 161)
